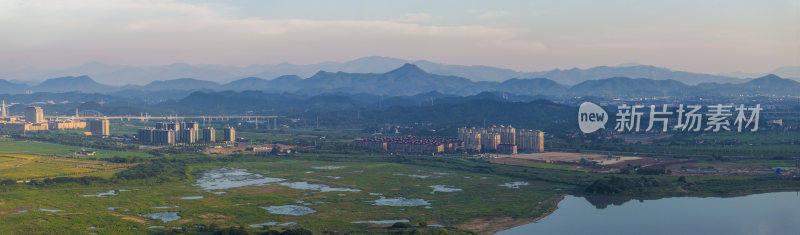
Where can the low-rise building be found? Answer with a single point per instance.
(64, 125)
(507, 148)
(19, 126)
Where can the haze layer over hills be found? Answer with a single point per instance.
(119, 75)
(409, 79)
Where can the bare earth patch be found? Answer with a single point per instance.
(492, 225)
(214, 217)
(130, 218)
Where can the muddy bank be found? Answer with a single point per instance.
(492, 225)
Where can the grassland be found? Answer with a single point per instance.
(49, 149)
(26, 167)
(481, 206)
(762, 144)
(481, 198)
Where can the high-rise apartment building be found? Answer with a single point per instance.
(503, 139)
(145, 134)
(530, 140)
(490, 141)
(164, 136)
(471, 138)
(230, 134)
(209, 134)
(34, 114)
(189, 136)
(99, 127)
(191, 125)
(507, 133)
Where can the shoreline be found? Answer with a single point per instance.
(492, 225)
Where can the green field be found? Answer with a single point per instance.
(42, 148)
(481, 198)
(762, 144)
(480, 205)
(26, 167)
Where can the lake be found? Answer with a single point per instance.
(768, 213)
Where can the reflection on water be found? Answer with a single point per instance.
(225, 178)
(769, 213)
(603, 201)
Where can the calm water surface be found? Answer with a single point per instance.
(769, 213)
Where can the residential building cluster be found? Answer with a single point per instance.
(409, 144)
(181, 132)
(33, 120)
(501, 139)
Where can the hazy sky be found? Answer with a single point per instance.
(698, 36)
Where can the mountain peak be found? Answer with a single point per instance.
(288, 77)
(319, 74)
(76, 79)
(773, 80)
(63, 84)
(407, 69)
(770, 77)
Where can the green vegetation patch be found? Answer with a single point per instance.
(480, 196)
(43, 148)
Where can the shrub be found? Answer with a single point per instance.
(401, 225)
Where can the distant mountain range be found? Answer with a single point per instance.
(575, 75)
(119, 75)
(409, 79)
(792, 72)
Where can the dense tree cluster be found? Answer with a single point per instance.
(638, 170)
(118, 159)
(162, 169)
(620, 185)
(178, 149)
